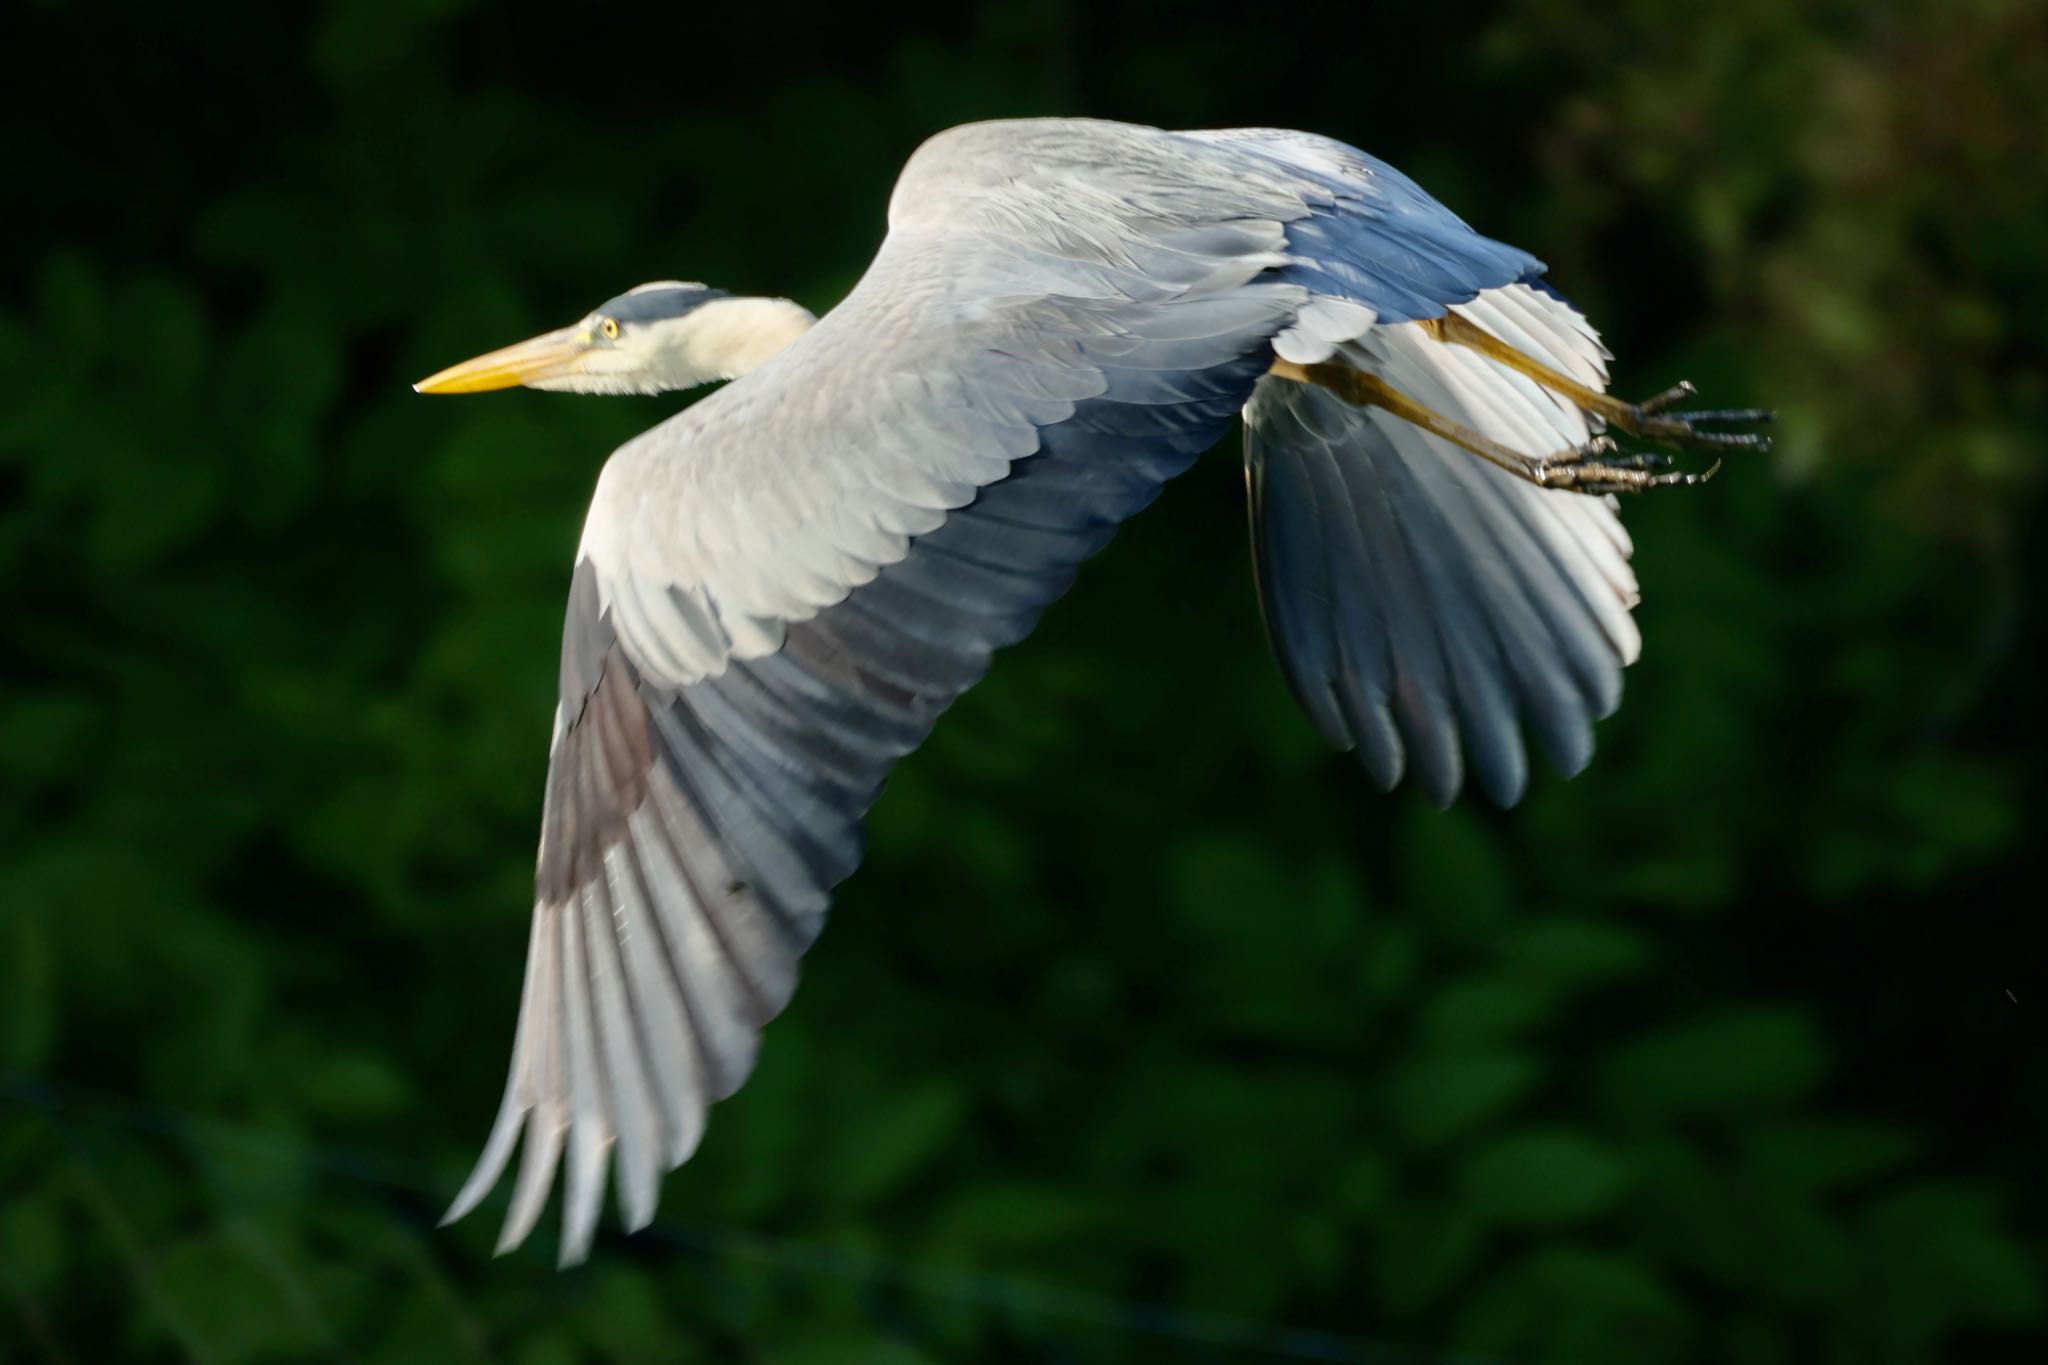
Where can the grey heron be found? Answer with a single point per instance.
(780, 588)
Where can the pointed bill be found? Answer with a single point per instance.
(549, 356)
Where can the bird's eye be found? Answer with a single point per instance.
(610, 328)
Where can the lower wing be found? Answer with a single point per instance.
(1423, 603)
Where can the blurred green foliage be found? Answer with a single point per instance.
(1149, 1031)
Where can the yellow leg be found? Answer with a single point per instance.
(1649, 419)
(1369, 390)
(1459, 331)
(1595, 467)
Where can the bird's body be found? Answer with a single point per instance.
(779, 589)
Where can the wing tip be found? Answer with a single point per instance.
(490, 1164)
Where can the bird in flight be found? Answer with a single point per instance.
(780, 588)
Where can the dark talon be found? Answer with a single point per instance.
(1600, 466)
(1677, 393)
(1732, 416)
(1593, 473)
(1634, 461)
(1731, 440)
(1692, 430)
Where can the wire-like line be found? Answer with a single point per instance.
(64, 1104)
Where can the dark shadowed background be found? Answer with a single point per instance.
(1150, 1030)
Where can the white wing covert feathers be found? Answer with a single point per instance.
(780, 588)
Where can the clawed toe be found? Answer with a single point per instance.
(1724, 440)
(1677, 393)
(1729, 417)
(1600, 466)
(1657, 419)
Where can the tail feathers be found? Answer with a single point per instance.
(1423, 603)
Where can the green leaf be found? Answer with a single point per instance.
(1387, 961)
(1734, 1060)
(1616, 1284)
(1441, 1095)
(551, 1348)
(995, 1217)
(1577, 1304)
(844, 1350)
(1451, 875)
(41, 733)
(625, 1317)
(893, 1141)
(1421, 1251)
(1576, 952)
(1692, 1216)
(1211, 880)
(1364, 1185)
(37, 1237)
(1797, 1252)
(28, 1007)
(354, 1085)
(1544, 1176)
(1944, 1249)
(1824, 1154)
(1483, 1008)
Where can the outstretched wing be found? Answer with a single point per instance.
(1423, 602)
(780, 589)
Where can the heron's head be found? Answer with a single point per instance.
(661, 336)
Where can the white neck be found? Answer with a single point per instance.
(723, 339)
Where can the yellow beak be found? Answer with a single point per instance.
(544, 357)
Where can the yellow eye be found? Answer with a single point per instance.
(610, 328)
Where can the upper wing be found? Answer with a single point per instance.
(781, 588)
(1420, 600)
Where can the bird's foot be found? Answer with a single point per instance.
(1601, 466)
(1659, 419)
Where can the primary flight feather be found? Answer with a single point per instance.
(779, 589)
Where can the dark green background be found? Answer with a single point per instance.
(1150, 1031)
